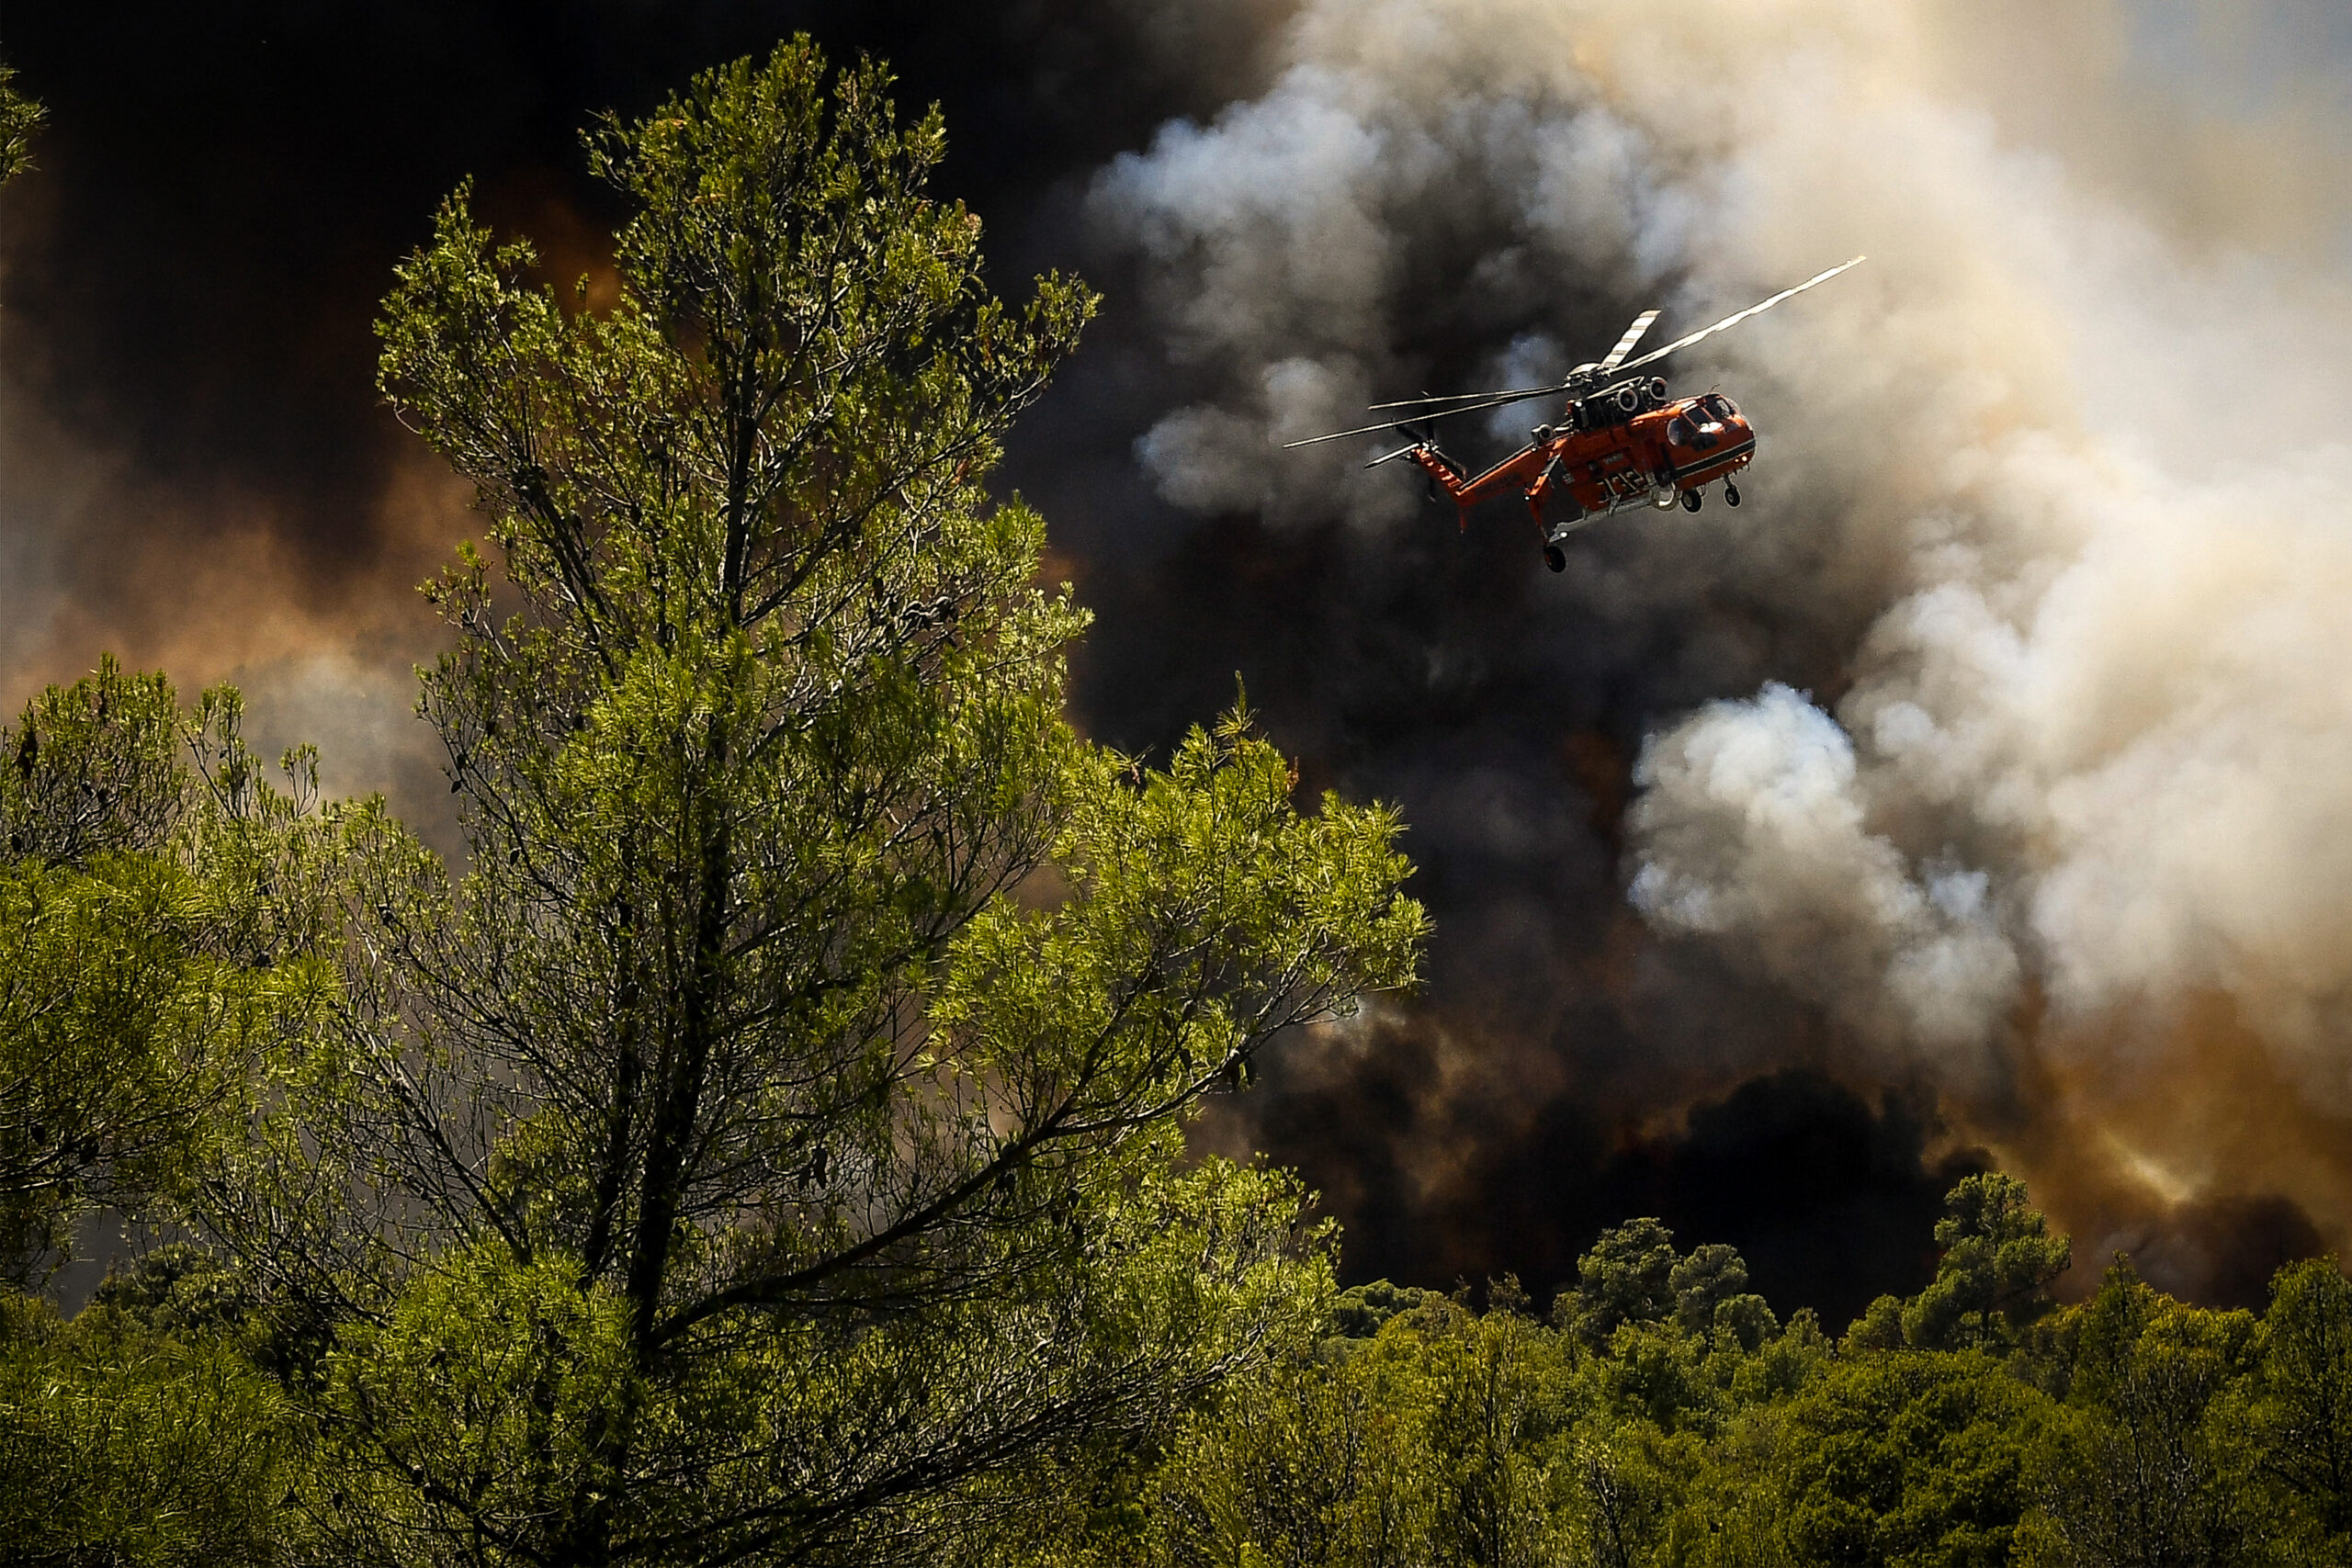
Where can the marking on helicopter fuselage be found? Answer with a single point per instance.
(1728, 455)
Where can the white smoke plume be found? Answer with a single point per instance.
(1754, 827)
(2059, 469)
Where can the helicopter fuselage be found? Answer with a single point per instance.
(1621, 440)
(1624, 447)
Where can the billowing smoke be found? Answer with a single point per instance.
(2027, 765)
(1752, 828)
(1976, 791)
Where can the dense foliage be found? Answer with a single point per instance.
(19, 118)
(1629, 1429)
(767, 1146)
(143, 968)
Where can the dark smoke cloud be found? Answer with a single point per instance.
(1832, 1200)
(2223, 1250)
(195, 471)
(198, 472)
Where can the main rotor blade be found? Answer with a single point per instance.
(1625, 344)
(1739, 316)
(1469, 397)
(1496, 401)
(1493, 400)
(1360, 430)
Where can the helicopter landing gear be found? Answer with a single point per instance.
(1555, 558)
(1691, 500)
(1731, 494)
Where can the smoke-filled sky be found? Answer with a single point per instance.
(1980, 792)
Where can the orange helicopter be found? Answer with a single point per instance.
(1621, 443)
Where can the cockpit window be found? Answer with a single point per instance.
(1721, 407)
(1679, 430)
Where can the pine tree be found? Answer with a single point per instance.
(775, 1133)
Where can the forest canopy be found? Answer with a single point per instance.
(766, 1143)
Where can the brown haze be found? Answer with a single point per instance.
(215, 582)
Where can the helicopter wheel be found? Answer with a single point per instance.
(1555, 558)
(1691, 500)
(1731, 494)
